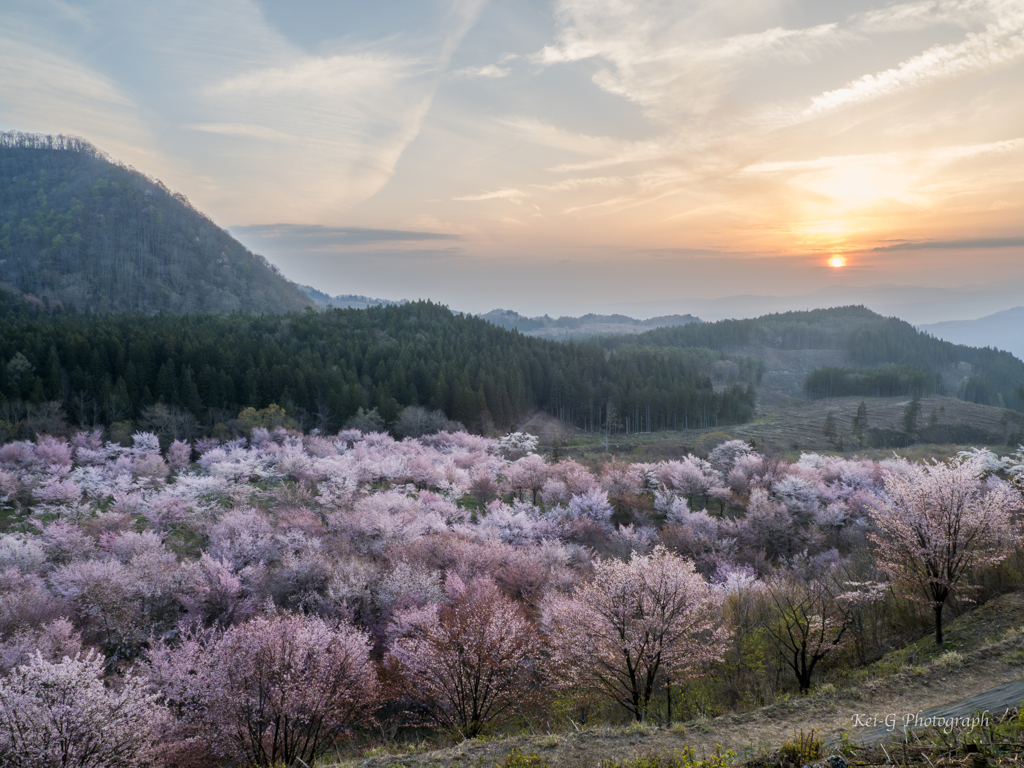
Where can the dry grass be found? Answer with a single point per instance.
(796, 427)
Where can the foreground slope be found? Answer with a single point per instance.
(988, 642)
(78, 229)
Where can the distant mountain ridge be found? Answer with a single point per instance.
(916, 304)
(347, 300)
(1002, 330)
(581, 327)
(851, 351)
(77, 228)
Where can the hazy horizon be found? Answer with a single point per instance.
(564, 156)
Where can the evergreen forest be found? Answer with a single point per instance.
(323, 367)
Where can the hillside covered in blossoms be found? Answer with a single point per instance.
(259, 600)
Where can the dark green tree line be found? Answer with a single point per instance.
(323, 367)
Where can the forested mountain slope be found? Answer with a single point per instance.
(875, 356)
(323, 367)
(78, 229)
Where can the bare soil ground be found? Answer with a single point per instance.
(991, 642)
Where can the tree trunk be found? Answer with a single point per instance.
(938, 624)
(668, 696)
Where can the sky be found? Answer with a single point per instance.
(559, 156)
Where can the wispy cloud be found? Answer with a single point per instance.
(315, 237)
(666, 57)
(935, 155)
(238, 129)
(512, 195)
(352, 75)
(925, 14)
(982, 242)
(998, 45)
(331, 124)
(489, 71)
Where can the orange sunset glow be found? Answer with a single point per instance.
(716, 147)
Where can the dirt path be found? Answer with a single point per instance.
(992, 702)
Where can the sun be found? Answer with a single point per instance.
(837, 262)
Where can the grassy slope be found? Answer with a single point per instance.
(990, 651)
(788, 430)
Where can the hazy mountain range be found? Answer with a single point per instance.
(564, 328)
(346, 300)
(1002, 330)
(914, 303)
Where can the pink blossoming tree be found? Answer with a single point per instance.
(632, 623)
(940, 523)
(469, 661)
(60, 715)
(270, 691)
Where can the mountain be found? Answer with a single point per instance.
(346, 300)
(916, 304)
(565, 328)
(78, 229)
(1003, 330)
(844, 351)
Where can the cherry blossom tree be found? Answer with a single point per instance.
(634, 622)
(53, 641)
(105, 596)
(940, 523)
(178, 455)
(270, 691)
(516, 445)
(60, 715)
(527, 474)
(470, 661)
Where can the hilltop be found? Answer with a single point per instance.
(78, 229)
(565, 328)
(840, 352)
